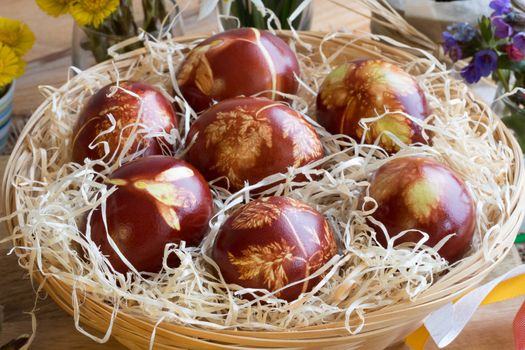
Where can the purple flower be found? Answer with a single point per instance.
(454, 52)
(519, 41)
(471, 73)
(500, 7)
(486, 61)
(461, 32)
(482, 65)
(514, 53)
(451, 47)
(501, 29)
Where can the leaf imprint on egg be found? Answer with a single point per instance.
(237, 151)
(305, 141)
(264, 261)
(174, 174)
(256, 215)
(168, 197)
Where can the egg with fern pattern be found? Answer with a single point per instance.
(368, 88)
(136, 109)
(422, 194)
(238, 62)
(272, 242)
(246, 139)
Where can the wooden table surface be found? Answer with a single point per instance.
(490, 329)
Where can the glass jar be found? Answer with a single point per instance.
(6, 109)
(247, 15)
(90, 46)
(511, 109)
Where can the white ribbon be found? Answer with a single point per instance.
(445, 324)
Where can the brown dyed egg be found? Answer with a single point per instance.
(140, 103)
(159, 200)
(237, 62)
(248, 139)
(420, 193)
(271, 242)
(367, 88)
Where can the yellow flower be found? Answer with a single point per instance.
(11, 66)
(54, 8)
(16, 35)
(92, 12)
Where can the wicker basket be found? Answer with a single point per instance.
(383, 327)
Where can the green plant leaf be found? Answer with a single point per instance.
(485, 28)
(505, 63)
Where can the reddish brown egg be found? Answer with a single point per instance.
(131, 104)
(237, 62)
(420, 193)
(159, 200)
(248, 138)
(367, 88)
(271, 242)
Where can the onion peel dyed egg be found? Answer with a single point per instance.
(420, 193)
(365, 89)
(271, 242)
(237, 62)
(248, 139)
(140, 104)
(159, 200)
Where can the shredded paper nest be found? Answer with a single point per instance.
(53, 194)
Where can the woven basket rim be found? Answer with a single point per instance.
(428, 301)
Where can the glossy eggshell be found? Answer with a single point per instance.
(367, 88)
(237, 62)
(248, 139)
(271, 242)
(420, 193)
(157, 114)
(159, 200)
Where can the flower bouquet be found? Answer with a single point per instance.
(102, 24)
(16, 39)
(496, 48)
(249, 13)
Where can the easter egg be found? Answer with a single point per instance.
(237, 62)
(158, 200)
(136, 107)
(248, 139)
(368, 88)
(420, 193)
(272, 242)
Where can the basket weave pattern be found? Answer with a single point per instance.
(383, 327)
